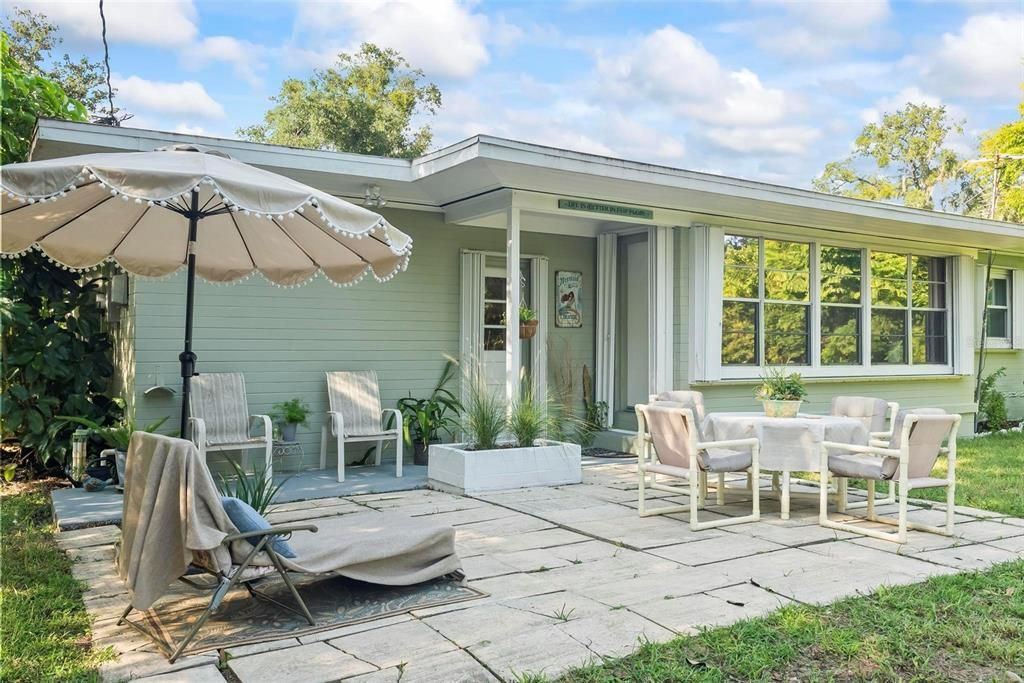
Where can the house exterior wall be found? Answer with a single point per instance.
(283, 340)
(1012, 384)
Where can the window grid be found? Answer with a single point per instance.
(866, 308)
(999, 325)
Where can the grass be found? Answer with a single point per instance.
(44, 628)
(989, 474)
(961, 627)
(966, 627)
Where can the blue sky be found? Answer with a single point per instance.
(765, 89)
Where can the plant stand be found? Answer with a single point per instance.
(283, 449)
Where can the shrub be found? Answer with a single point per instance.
(484, 418)
(528, 419)
(992, 403)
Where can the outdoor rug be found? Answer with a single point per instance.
(335, 601)
(596, 452)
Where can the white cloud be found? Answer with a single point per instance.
(817, 29)
(186, 97)
(891, 103)
(442, 37)
(673, 69)
(788, 140)
(164, 23)
(982, 60)
(187, 129)
(243, 56)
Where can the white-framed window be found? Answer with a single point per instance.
(1000, 311)
(833, 309)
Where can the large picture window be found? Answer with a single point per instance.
(797, 303)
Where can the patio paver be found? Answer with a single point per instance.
(573, 575)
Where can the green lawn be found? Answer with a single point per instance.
(44, 628)
(967, 627)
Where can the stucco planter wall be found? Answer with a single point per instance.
(549, 463)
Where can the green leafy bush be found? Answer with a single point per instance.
(992, 403)
(424, 419)
(293, 411)
(778, 385)
(117, 436)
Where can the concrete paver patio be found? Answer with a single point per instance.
(574, 575)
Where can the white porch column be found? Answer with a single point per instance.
(512, 350)
(662, 313)
(604, 381)
(541, 303)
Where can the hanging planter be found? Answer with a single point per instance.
(527, 322)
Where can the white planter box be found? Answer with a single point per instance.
(550, 463)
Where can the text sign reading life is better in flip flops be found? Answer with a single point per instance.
(607, 209)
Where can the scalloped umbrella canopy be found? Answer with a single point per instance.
(154, 213)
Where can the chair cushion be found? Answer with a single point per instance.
(724, 460)
(861, 466)
(244, 517)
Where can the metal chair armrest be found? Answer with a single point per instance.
(268, 425)
(336, 421)
(276, 530)
(398, 420)
(197, 430)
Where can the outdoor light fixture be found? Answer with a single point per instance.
(373, 196)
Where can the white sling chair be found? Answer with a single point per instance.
(356, 416)
(220, 419)
(677, 453)
(875, 413)
(917, 443)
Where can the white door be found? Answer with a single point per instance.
(493, 354)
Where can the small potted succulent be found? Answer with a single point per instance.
(781, 393)
(527, 322)
(290, 414)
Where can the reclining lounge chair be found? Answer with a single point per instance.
(175, 526)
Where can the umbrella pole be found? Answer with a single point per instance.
(187, 357)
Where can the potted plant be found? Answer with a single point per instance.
(425, 419)
(527, 322)
(290, 414)
(489, 461)
(781, 393)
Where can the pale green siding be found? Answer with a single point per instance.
(284, 339)
(1012, 385)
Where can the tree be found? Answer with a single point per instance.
(33, 37)
(56, 355)
(974, 195)
(365, 104)
(901, 158)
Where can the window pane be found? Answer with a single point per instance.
(840, 335)
(739, 333)
(929, 337)
(888, 279)
(494, 288)
(929, 295)
(741, 251)
(740, 283)
(840, 289)
(997, 323)
(786, 335)
(494, 339)
(928, 268)
(786, 255)
(888, 337)
(838, 261)
(786, 286)
(997, 292)
(494, 314)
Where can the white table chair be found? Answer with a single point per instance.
(677, 453)
(356, 416)
(917, 444)
(876, 414)
(220, 419)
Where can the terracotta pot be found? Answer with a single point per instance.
(528, 329)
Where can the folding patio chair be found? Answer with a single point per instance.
(356, 416)
(917, 444)
(875, 413)
(670, 428)
(174, 527)
(220, 419)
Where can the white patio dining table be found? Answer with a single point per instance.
(787, 444)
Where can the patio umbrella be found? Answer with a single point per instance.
(185, 206)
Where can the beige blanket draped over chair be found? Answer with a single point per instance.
(174, 521)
